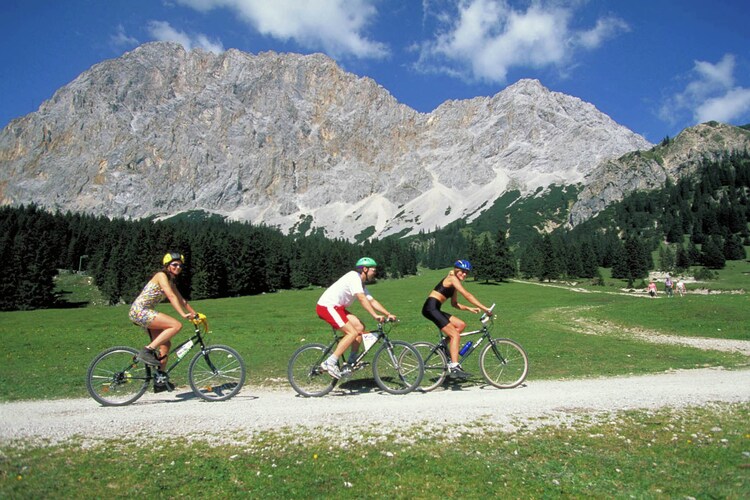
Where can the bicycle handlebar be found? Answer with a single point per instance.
(200, 319)
(485, 316)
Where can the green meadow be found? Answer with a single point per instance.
(553, 323)
(569, 330)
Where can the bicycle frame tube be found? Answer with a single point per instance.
(485, 334)
(197, 339)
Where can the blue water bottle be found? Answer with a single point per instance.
(465, 348)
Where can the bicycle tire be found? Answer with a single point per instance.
(116, 378)
(220, 376)
(305, 375)
(435, 365)
(507, 371)
(401, 372)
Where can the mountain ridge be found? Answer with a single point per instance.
(291, 140)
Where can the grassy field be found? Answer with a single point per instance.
(697, 452)
(57, 345)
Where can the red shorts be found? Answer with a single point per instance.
(335, 316)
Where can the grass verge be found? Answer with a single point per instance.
(669, 453)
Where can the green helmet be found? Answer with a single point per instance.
(366, 262)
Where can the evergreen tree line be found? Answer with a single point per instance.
(223, 259)
(700, 220)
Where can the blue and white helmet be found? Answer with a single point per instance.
(464, 265)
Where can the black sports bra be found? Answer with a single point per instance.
(445, 291)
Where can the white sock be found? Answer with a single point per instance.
(333, 360)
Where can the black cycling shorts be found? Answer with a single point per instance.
(431, 310)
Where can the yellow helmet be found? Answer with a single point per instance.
(172, 256)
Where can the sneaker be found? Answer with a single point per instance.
(458, 373)
(169, 386)
(331, 369)
(148, 356)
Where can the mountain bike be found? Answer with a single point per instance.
(117, 378)
(503, 362)
(396, 367)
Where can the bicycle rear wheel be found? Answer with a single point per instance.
(115, 378)
(216, 374)
(435, 365)
(304, 373)
(504, 363)
(400, 371)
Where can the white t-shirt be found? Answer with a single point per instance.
(343, 292)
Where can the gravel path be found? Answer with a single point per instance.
(366, 407)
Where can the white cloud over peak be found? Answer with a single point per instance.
(121, 39)
(726, 108)
(710, 95)
(164, 32)
(334, 26)
(487, 38)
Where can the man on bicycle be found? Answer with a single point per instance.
(332, 308)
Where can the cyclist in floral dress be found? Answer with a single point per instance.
(159, 326)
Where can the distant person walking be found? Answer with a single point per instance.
(668, 286)
(681, 287)
(652, 289)
(159, 326)
(450, 325)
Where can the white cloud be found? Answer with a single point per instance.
(334, 26)
(486, 38)
(605, 29)
(710, 95)
(163, 31)
(726, 108)
(120, 40)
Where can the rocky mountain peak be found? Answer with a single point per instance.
(288, 139)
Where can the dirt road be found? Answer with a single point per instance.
(256, 410)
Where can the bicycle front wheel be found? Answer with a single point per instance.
(217, 373)
(115, 378)
(504, 363)
(435, 365)
(399, 371)
(304, 372)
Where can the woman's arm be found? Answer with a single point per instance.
(174, 296)
(468, 296)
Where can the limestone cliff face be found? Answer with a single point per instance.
(646, 170)
(278, 138)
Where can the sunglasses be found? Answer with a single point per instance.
(176, 264)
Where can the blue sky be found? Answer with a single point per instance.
(654, 66)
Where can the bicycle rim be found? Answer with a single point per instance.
(435, 365)
(304, 373)
(401, 372)
(507, 370)
(218, 374)
(115, 378)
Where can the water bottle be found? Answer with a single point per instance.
(465, 348)
(184, 349)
